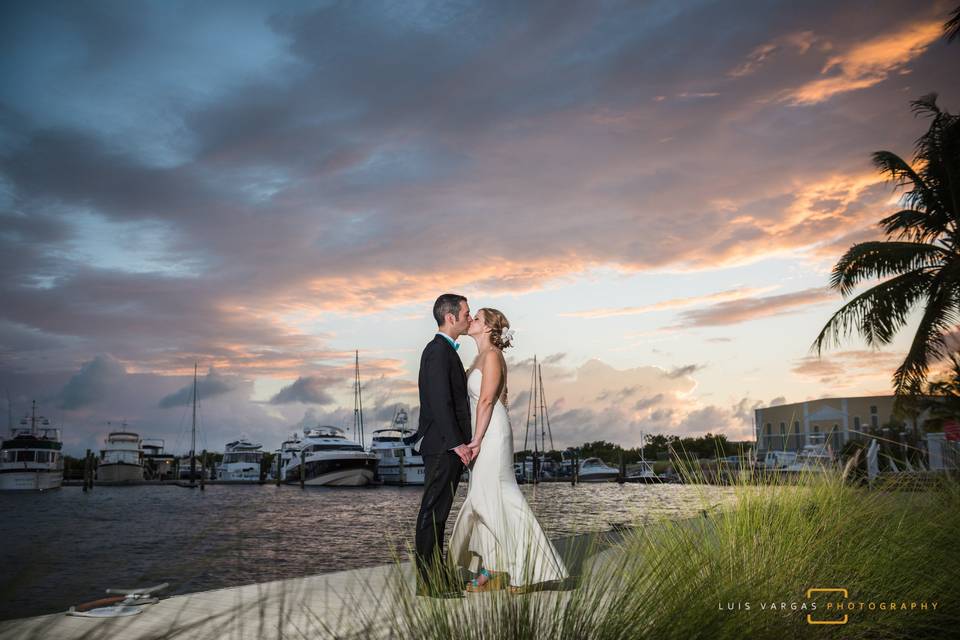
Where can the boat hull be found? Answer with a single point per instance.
(336, 472)
(31, 480)
(343, 478)
(119, 472)
(599, 477)
(412, 474)
(644, 479)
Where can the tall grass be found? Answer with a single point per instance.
(694, 578)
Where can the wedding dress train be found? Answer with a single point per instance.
(495, 521)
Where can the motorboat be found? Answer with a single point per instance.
(32, 459)
(157, 465)
(400, 463)
(815, 456)
(596, 470)
(328, 458)
(241, 461)
(121, 459)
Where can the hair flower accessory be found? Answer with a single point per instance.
(506, 337)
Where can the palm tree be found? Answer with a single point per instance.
(920, 258)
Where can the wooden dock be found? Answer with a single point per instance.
(332, 605)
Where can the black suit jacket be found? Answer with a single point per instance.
(444, 404)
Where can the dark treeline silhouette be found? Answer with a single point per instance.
(658, 447)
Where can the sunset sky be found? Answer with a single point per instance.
(653, 193)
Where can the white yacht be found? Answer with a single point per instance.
(31, 460)
(329, 459)
(815, 456)
(121, 459)
(399, 463)
(596, 470)
(241, 461)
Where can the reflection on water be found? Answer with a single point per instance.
(65, 547)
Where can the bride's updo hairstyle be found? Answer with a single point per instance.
(498, 323)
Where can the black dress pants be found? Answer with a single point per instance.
(442, 473)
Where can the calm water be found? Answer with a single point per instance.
(65, 547)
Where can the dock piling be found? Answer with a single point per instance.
(303, 469)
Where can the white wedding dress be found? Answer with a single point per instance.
(495, 521)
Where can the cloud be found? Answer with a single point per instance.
(306, 390)
(687, 370)
(731, 294)
(209, 386)
(747, 309)
(92, 384)
(800, 42)
(595, 401)
(279, 184)
(868, 63)
(845, 369)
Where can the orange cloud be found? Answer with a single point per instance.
(868, 63)
(732, 294)
(847, 369)
(374, 292)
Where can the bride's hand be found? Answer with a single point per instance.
(474, 448)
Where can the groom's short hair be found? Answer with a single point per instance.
(447, 303)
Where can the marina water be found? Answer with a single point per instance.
(64, 547)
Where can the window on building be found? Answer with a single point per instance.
(769, 428)
(816, 428)
(875, 421)
(856, 422)
(873, 408)
(796, 426)
(783, 428)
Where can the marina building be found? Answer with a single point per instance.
(833, 421)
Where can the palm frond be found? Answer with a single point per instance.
(868, 260)
(926, 105)
(951, 28)
(909, 223)
(899, 171)
(876, 313)
(939, 316)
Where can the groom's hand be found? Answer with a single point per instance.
(464, 452)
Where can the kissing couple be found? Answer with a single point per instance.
(464, 423)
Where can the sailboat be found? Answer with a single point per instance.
(534, 467)
(645, 473)
(188, 464)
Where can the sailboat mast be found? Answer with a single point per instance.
(357, 402)
(536, 409)
(33, 419)
(545, 418)
(193, 428)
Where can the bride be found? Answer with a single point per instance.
(495, 521)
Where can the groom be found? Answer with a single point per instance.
(445, 429)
